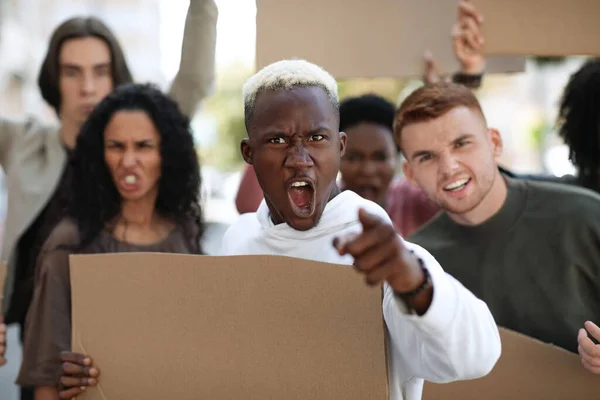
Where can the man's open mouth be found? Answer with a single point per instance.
(457, 185)
(302, 197)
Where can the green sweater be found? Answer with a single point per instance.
(536, 262)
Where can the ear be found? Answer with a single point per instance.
(409, 173)
(246, 150)
(496, 141)
(343, 139)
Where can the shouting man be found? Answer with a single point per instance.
(439, 331)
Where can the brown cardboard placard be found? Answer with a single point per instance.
(363, 39)
(168, 326)
(528, 369)
(541, 28)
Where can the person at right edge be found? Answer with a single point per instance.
(529, 249)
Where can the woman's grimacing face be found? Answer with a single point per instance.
(132, 154)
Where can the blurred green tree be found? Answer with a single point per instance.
(227, 107)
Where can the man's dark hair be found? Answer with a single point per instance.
(94, 199)
(78, 28)
(579, 122)
(369, 108)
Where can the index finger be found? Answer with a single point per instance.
(467, 9)
(341, 242)
(368, 220)
(76, 358)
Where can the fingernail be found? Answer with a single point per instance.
(82, 388)
(92, 382)
(93, 371)
(86, 361)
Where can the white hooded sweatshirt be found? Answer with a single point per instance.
(457, 338)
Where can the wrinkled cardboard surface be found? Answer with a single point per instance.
(166, 326)
(364, 39)
(541, 27)
(529, 370)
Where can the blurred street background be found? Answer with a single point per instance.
(522, 106)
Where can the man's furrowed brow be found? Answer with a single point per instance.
(320, 129)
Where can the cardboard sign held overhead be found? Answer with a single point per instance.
(166, 326)
(363, 39)
(528, 369)
(541, 28)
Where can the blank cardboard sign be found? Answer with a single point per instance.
(167, 326)
(363, 39)
(541, 27)
(528, 369)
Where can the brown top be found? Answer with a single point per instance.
(48, 323)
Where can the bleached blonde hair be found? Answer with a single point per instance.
(287, 75)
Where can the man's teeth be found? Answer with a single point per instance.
(130, 179)
(299, 184)
(456, 185)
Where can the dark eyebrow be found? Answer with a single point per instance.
(422, 153)
(70, 66)
(274, 133)
(79, 67)
(462, 137)
(137, 142)
(102, 65)
(320, 129)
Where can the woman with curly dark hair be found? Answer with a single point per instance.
(134, 186)
(579, 123)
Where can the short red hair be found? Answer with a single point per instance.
(431, 102)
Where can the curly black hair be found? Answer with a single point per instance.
(579, 122)
(94, 199)
(367, 108)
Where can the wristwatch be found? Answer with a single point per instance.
(472, 81)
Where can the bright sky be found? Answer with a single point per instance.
(236, 33)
